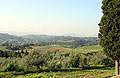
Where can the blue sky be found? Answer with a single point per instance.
(52, 17)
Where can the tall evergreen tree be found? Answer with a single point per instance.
(22, 51)
(19, 54)
(110, 30)
(1, 53)
(26, 52)
(6, 54)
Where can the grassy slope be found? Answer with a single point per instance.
(86, 49)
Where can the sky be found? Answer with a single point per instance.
(51, 17)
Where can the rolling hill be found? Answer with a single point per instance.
(47, 39)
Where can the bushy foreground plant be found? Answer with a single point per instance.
(59, 61)
(13, 67)
(107, 62)
(5, 61)
(35, 61)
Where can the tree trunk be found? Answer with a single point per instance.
(38, 67)
(116, 67)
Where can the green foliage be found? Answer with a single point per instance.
(94, 58)
(12, 67)
(55, 62)
(77, 60)
(5, 61)
(34, 59)
(6, 53)
(59, 61)
(110, 28)
(107, 62)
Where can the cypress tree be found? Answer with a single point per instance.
(26, 52)
(22, 51)
(109, 32)
(19, 54)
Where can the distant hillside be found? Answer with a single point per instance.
(74, 35)
(63, 40)
(48, 39)
(41, 37)
(6, 37)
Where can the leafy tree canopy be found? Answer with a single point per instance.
(110, 28)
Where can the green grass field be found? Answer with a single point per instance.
(87, 49)
(3, 48)
(71, 73)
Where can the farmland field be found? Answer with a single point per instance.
(61, 49)
(45, 49)
(50, 48)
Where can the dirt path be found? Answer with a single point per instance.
(116, 77)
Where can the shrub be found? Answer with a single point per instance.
(33, 60)
(55, 62)
(107, 62)
(13, 67)
(77, 59)
(94, 58)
